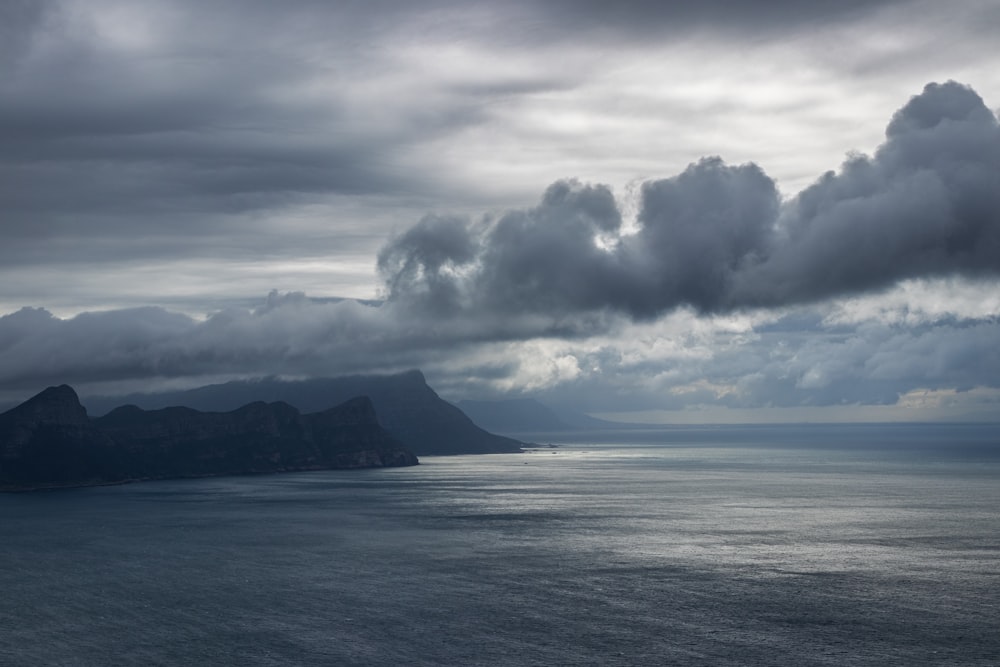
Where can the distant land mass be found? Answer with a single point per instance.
(513, 415)
(527, 415)
(406, 406)
(49, 441)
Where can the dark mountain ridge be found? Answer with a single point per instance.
(49, 441)
(407, 407)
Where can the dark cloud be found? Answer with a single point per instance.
(433, 246)
(718, 238)
(926, 204)
(288, 334)
(697, 232)
(764, 17)
(187, 114)
(19, 22)
(794, 360)
(121, 121)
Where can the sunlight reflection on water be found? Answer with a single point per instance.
(583, 554)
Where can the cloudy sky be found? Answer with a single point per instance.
(717, 211)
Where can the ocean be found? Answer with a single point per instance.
(798, 545)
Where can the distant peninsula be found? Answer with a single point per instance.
(408, 408)
(49, 441)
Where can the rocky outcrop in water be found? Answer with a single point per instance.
(49, 441)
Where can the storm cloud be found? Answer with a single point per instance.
(718, 237)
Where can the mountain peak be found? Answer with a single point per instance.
(415, 375)
(58, 404)
(62, 392)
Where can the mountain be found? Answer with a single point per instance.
(520, 415)
(527, 415)
(49, 441)
(407, 407)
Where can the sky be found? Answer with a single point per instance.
(724, 211)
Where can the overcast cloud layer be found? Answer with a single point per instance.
(164, 165)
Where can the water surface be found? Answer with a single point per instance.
(687, 549)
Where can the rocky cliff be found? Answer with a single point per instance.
(49, 441)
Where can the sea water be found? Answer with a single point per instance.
(729, 546)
